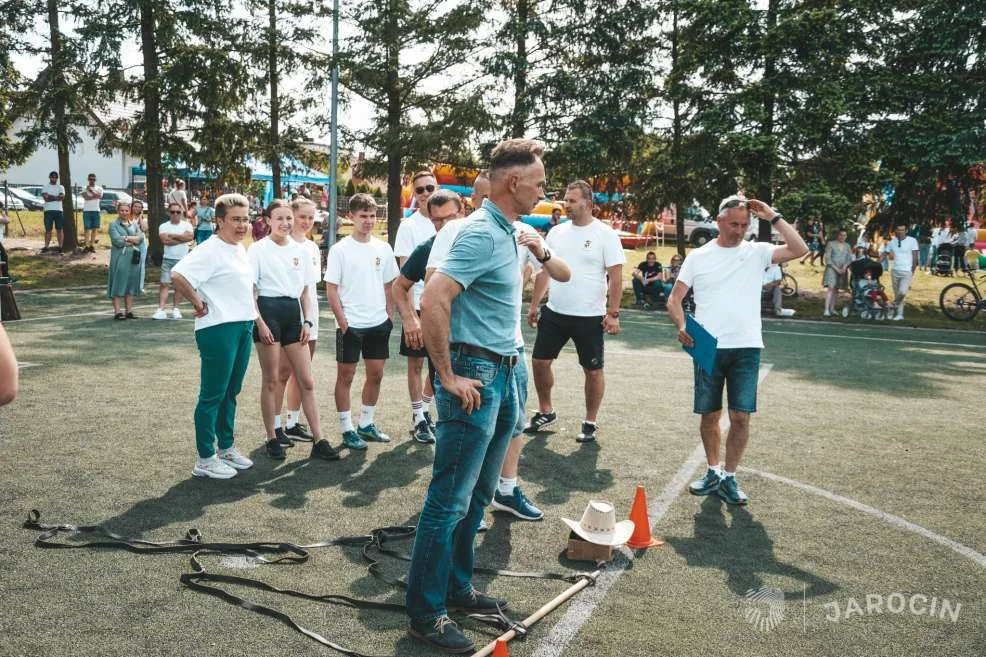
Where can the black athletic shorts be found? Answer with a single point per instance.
(282, 316)
(372, 343)
(555, 330)
(407, 351)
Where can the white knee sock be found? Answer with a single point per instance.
(293, 417)
(366, 415)
(346, 421)
(418, 409)
(277, 421)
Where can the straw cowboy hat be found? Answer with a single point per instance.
(599, 526)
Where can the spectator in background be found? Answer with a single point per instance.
(124, 282)
(648, 278)
(261, 227)
(204, 216)
(91, 218)
(921, 231)
(773, 276)
(54, 218)
(177, 195)
(555, 219)
(670, 275)
(815, 239)
(175, 234)
(8, 370)
(137, 215)
(971, 232)
(903, 249)
(4, 220)
(836, 276)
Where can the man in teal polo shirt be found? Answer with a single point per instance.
(468, 315)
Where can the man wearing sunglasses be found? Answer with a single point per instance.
(413, 231)
(726, 275)
(176, 233)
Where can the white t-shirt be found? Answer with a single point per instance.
(316, 258)
(525, 256)
(221, 273)
(280, 271)
(727, 284)
(92, 204)
(361, 269)
(902, 250)
(53, 190)
(177, 196)
(588, 250)
(772, 273)
(175, 251)
(413, 231)
(443, 242)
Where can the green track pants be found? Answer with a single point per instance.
(225, 352)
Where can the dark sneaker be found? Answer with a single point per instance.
(352, 440)
(422, 433)
(588, 433)
(299, 432)
(431, 423)
(275, 450)
(517, 504)
(323, 450)
(707, 484)
(540, 422)
(282, 438)
(730, 493)
(442, 634)
(370, 434)
(476, 602)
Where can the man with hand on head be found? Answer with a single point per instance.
(727, 275)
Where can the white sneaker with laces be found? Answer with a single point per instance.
(845, 311)
(175, 313)
(214, 468)
(234, 459)
(159, 314)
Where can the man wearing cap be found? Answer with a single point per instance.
(53, 193)
(468, 313)
(726, 275)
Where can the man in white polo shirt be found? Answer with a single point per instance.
(54, 217)
(176, 233)
(413, 231)
(91, 217)
(581, 309)
(904, 250)
(726, 275)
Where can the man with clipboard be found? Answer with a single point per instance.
(726, 275)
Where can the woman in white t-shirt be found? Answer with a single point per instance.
(281, 275)
(217, 280)
(304, 218)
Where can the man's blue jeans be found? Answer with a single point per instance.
(469, 451)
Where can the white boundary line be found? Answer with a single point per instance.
(578, 613)
(889, 518)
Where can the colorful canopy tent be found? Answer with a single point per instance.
(293, 172)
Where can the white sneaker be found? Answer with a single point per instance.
(175, 313)
(826, 314)
(159, 314)
(898, 318)
(845, 311)
(234, 459)
(213, 467)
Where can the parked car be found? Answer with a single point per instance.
(30, 201)
(112, 197)
(36, 191)
(11, 202)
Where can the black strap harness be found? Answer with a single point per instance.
(371, 547)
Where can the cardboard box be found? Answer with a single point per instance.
(579, 550)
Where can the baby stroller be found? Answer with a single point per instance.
(869, 300)
(943, 260)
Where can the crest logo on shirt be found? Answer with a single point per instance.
(295, 262)
(377, 262)
(587, 244)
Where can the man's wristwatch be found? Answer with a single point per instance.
(547, 256)
(777, 217)
(309, 323)
(615, 314)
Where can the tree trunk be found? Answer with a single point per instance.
(70, 240)
(679, 202)
(518, 119)
(151, 127)
(275, 103)
(393, 123)
(765, 179)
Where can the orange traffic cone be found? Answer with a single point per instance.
(500, 650)
(641, 538)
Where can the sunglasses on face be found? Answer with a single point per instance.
(174, 211)
(426, 188)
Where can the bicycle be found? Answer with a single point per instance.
(789, 284)
(960, 301)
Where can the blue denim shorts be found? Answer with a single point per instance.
(737, 370)
(91, 220)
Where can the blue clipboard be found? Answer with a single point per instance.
(704, 351)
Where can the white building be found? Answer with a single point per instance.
(112, 171)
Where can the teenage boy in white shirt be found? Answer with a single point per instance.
(359, 272)
(304, 217)
(581, 309)
(727, 276)
(904, 250)
(413, 231)
(176, 233)
(281, 274)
